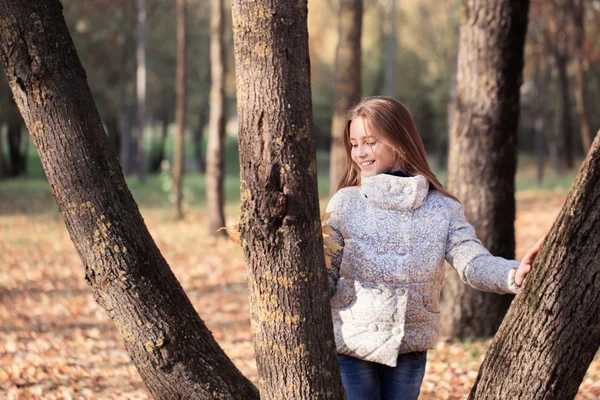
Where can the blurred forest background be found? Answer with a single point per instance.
(56, 342)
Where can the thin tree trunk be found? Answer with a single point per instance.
(577, 10)
(215, 174)
(198, 136)
(141, 90)
(4, 167)
(157, 152)
(171, 347)
(347, 83)
(390, 61)
(552, 330)
(541, 81)
(566, 121)
(483, 151)
(180, 112)
(16, 156)
(280, 225)
(114, 134)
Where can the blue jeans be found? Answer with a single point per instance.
(365, 380)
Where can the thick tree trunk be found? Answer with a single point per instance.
(347, 83)
(552, 330)
(565, 127)
(178, 159)
(577, 9)
(141, 89)
(215, 166)
(482, 160)
(171, 347)
(280, 225)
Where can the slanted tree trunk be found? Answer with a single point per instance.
(180, 111)
(483, 151)
(552, 330)
(577, 10)
(141, 90)
(347, 83)
(171, 347)
(215, 166)
(279, 224)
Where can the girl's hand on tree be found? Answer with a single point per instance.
(526, 262)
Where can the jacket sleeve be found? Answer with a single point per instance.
(333, 271)
(474, 263)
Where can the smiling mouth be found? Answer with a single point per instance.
(366, 163)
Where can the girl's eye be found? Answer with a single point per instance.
(354, 146)
(371, 143)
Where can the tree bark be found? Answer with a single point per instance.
(171, 347)
(215, 166)
(347, 83)
(280, 226)
(482, 160)
(577, 9)
(141, 90)
(178, 159)
(552, 330)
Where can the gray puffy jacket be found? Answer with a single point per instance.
(386, 279)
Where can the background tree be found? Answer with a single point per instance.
(172, 349)
(483, 145)
(280, 226)
(347, 83)
(141, 89)
(577, 10)
(216, 131)
(178, 163)
(552, 330)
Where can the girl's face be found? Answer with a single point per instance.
(370, 154)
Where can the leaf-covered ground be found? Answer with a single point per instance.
(57, 343)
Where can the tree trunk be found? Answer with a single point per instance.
(198, 136)
(16, 155)
(4, 167)
(215, 166)
(178, 160)
(280, 226)
(565, 126)
(114, 134)
(552, 330)
(390, 61)
(171, 347)
(540, 115)
(157, 152)
(483, 151)
(577, 10)
(141, 90)
(347, 83)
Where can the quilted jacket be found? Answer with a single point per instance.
(385, 281)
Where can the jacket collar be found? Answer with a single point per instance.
(394, 192)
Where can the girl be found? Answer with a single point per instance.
(396, 226)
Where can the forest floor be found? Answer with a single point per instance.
(57, 343)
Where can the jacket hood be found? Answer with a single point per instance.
(393, 192)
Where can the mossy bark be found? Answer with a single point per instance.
(280, 226)
(171, 347)
(483, 150)
(552, 330)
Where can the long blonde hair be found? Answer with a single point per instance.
(396, 129)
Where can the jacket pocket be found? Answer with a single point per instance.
(431, 303)
(344, 295)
